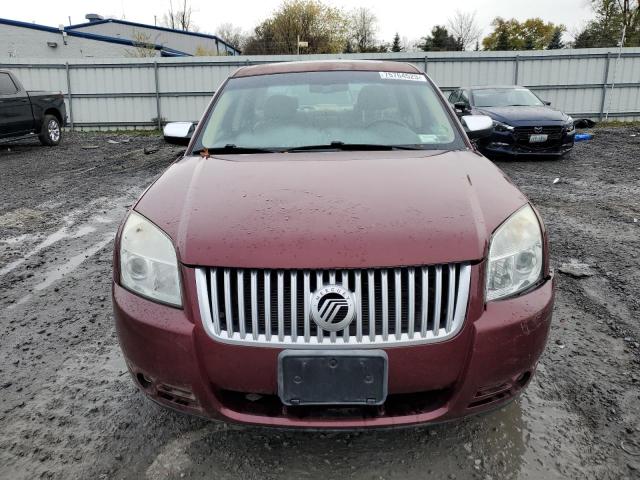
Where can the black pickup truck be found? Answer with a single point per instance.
(25, 114)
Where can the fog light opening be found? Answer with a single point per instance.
(143, 380)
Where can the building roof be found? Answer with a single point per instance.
(153, 27)
(164, 51)
(327, 65)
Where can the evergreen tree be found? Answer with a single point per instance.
(556, 41)
(439, 41)
(395, 46)
(502, 42)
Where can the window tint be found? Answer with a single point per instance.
(283, 111)
(7, 87)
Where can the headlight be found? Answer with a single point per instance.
(148, 262)
(515, 255)
(569, 125)
(502, 127)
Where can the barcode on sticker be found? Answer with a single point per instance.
(412, 77)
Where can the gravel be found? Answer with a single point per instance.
(69, 410)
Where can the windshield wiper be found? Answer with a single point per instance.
(337, 145)
(231, 148)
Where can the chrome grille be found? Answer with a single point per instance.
(393, 306)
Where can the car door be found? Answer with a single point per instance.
(15, 108)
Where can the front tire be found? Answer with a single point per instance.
(51, 132)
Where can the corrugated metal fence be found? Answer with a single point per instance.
(126, 93)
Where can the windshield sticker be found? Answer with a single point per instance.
(412, 77)
(429, 138)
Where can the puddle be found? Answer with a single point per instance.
(64, 232)
(66, 268)
(48, 241)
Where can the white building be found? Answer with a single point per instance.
(104, 38)
(192, 43)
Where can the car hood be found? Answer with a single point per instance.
(524, 116)
(333, 209)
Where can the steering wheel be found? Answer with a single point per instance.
(390, 120)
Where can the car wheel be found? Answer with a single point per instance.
(51, 131)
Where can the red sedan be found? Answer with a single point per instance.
(332, 252)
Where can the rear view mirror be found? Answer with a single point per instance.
(178, 133)
(477, 126)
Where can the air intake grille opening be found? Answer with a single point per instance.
(392, 305)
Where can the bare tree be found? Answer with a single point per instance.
(179, 19)
(464, 28)
(143, 46)
(364, 26)
(231, 34)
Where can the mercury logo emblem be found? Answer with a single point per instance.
(538, 129)
(332, 307)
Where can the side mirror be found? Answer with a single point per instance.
(462, 106)
(547, 103)
(477, 126)
(178, 133)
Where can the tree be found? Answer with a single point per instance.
(142, 46)
(322, 26)
(396, 46)
(556, 42)
(179, 19)
(464, 29)
(231, 34)
(363, 25)
(532, 34)
(439, 40)
(611, 17)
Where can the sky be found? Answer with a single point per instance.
(413, 19)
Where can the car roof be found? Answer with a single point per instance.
(327, 66)
(487, 87)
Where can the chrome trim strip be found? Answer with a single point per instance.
(438, 301)
(397, 286)
(412, 302)
(293, 277)
(267, 304)
(372, 305)
(280, 305)
(384, 289)
(307, 299)
(358, 307)
(424, 313)
(254, 304)
(450, 295)
(215, 311)
(241, 319)
(228, 314)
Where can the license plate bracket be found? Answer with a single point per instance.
(538, 138)
(332, 377)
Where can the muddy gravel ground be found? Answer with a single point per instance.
(69, 410)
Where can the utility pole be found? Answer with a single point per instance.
(298, 44)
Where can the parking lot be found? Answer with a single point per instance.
(69, 409)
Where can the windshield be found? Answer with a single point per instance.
(505, 97)
(291, 110)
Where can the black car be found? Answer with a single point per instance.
(29, 114)
(523, 124)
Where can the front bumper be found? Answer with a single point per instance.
(177, 364)
(505, 143)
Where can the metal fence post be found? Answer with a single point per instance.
(158, 112)
(516, 70)
(426, 62)
(67, 68)
(605, 81)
